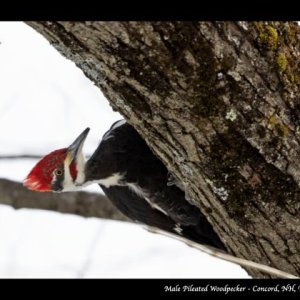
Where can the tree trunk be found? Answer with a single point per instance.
(219, 103)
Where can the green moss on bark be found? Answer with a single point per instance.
(281, 61)
(268, 36)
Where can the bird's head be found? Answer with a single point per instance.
(61, 170)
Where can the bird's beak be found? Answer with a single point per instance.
(75, 148)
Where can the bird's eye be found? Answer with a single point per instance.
(58, 172)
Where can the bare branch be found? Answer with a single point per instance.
(79, 203)
(20, 156)
(26, 156)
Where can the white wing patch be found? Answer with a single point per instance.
(155, 206)
(115, 179)
(136, 189)
(109, 134)
(178, 229)
(118, 124)
(140, 192)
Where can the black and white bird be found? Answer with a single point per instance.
(131, 176)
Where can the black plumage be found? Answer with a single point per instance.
(143, 193)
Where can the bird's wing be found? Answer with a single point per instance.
(172, 200)
(140, 210)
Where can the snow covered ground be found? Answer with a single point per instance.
(45, 102)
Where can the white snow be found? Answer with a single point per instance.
(45, 102)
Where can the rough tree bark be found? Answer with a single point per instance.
(219, 103)
(79, 203)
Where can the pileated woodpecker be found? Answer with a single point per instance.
(131, 176)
